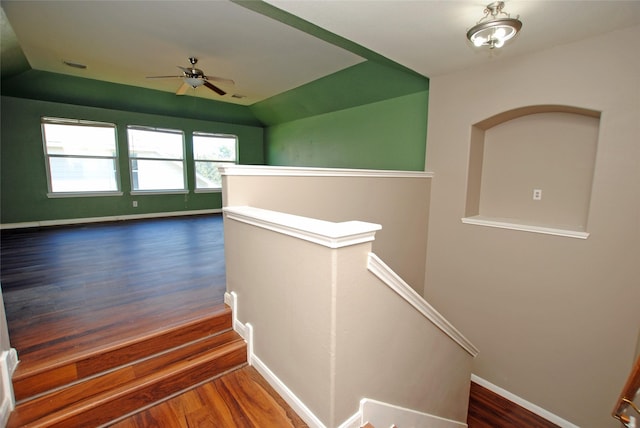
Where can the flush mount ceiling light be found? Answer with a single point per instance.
(494, 28)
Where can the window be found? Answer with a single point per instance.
(157, 159)
(210, 151)
(82, 156)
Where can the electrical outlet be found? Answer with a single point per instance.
(135, 204)
(537, 194)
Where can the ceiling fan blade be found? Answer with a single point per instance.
(164, 77)
(214, 88)
(221, 80)
(183, 89)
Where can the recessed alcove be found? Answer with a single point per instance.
(548, 150)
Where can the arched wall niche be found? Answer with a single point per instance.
(531, 168)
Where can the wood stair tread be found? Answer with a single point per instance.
(28, 366)
(134, 386)
(28, 378)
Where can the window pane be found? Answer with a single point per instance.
(157, 175)
(82, 175)
(145, 143)
(80, 140)
(214, 147)
(208, 175)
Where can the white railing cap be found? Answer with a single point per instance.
(327, 233)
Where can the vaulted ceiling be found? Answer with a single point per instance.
(274, 46)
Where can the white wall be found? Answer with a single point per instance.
(556, 319)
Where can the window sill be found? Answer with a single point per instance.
(502, 224)
(81, 194)
(217, 190)
(160, 192)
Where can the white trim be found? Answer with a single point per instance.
(53, 195)
(543, 413)
(208, 190)
(5, 411)
(296, 404)
(326, 233)
(480, 221)
(244, 330)
(71, 221)
(353, 421)
(389, 277)
(152, 192)
(8, 364)
(385, 414)
(292, 171)
(12, 361)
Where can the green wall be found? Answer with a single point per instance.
(23, 186)
(61, 88)
(388, 135)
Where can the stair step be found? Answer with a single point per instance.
(97, 387)
(31, 380)
(114, 394)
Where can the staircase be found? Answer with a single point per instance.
(97, 388)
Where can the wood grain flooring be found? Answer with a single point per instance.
(72, 290)
(489, 410)
(81, 299)
(241, 399)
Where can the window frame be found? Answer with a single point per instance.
(44, 120)
(185, 188)
(196, 189)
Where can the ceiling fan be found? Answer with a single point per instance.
(194, 77)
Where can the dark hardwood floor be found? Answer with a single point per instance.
(489, 410)
(69, 290)
(75, 291)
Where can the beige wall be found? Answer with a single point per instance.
(556, 319)
(388, 351)
(554, 152)
(400, 205)
(287, 306)
(334, 333)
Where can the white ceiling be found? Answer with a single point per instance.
(429, 36)
(123, 42)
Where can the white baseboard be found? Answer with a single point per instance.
(8, 364)
(5, 411)
(71, 221)
(354, 421)
(296, 404)
(381, 414)
(543, 413)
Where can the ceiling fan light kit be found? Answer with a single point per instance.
(194, 77)
(494, 28)
(194, 82)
